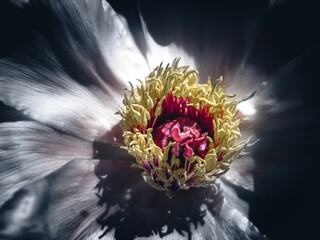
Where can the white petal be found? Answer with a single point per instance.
(52, 207)
(92, 36)
(35, 83)
(73, 206)
(29, 151)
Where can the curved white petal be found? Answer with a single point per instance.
(92, 36)
(34, 82)
(30, 151)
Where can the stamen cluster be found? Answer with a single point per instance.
(182, 134)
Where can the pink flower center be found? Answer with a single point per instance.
(183, 124)
(186, 133)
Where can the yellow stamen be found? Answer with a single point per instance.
(165, 171)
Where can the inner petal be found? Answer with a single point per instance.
(188, 136)
(173, 107)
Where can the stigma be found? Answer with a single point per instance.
(182, 134)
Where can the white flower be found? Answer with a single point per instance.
(68, 78)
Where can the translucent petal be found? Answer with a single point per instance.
(29, 151)
(90, 35)
(34, 82)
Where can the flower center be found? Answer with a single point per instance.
(182, 133)
(187, 135)
(173, 107)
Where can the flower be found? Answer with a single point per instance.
(60, 175)
(182, 134)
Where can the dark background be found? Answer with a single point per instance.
(286, 179)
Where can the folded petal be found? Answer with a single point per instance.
(34, 82)
(30, 151)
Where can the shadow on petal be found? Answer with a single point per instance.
(132, 209)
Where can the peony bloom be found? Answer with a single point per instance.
(182, 134)
(65, 160)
